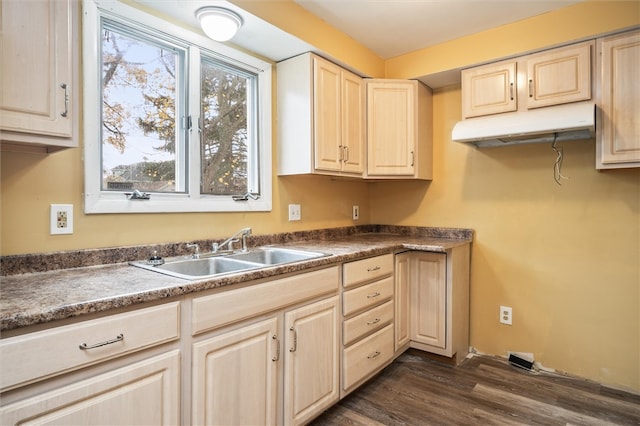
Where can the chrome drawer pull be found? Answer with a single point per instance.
(371, 296)
(118, 338)
(374, 355)
(277, 357)
(63, 86)
(375, 321)
(375, 268)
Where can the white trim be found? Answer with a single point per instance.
(97, 201)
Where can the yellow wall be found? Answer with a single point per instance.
(565, 258)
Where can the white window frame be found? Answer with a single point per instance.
(98, 201)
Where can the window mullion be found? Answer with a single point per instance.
(194, 134)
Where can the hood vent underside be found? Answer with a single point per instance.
(560, 123)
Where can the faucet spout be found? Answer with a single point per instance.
(241, 235)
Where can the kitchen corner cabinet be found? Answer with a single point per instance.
(399, 130)
(618, 136)
(125, 385)
(39, 42)
(439, 302)
(248, 340)
(320, 118)
(552, 77)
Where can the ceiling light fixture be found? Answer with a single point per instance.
(218, 23)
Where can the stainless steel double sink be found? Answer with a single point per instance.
(213, 266)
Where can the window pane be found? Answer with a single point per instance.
(140, 113)
(225, 156)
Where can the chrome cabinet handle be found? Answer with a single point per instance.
(66, 100)
(371, 296)
(375, 321)
(511, 91)
(413, 159)
(295, 339)
(341, 153)
(531, 88)
(346, 154)
(277, 357)
(118, 338)
(374, 355)
(375, 268)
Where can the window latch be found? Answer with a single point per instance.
(245, 197)
(137, 195)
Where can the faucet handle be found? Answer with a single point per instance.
(214, 247)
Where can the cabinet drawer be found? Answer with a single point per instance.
(367, 269)
(367, 356)
(46, 353)
(369, 295)
(223, 308)
(367, 322)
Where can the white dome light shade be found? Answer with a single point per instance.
(217, 23)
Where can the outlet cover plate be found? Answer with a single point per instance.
(294, 212)
(61, 219)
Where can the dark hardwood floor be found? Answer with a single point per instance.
(415, 390)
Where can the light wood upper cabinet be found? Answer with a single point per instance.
(320, 118)
(489, 89)
(553, 77)
(36, 106)
(399, 131)
(559, 76)
(618, 138)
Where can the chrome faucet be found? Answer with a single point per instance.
(243, 233)
(196, 251)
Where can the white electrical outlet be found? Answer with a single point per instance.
(294, 212)
(356, 212)
(61, 220)
(506, 315)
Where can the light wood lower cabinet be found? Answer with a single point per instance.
(402, 301)
(235, 376)
(367, 308)
(292, 339)
(437, 304)
(144, 393)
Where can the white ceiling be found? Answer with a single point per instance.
(395, 27)
(387, 27)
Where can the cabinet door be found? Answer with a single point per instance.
(489, 89)
(620, 130)
(235, 376)
(401, 299)
(428, 299)
(391, 127)
(311, 366)
(36, 67)
(353, 117)
(144, 393)
(327, 115)
(559, 76)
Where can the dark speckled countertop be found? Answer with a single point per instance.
(39, 297)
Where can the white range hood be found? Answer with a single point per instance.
(574, 121)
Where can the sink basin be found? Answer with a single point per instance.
(208, 267)
(275, 256)
(199, 268)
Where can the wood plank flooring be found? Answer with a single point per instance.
(416, 390)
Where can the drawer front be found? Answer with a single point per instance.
(367, 322)
(224, 308)
(46, 353)
(369, 295)
(366, 356)
(364, 270)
